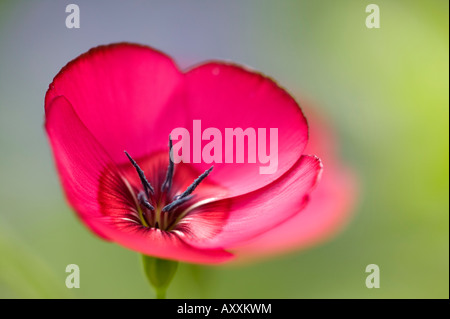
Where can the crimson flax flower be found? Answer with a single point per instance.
(109, 115)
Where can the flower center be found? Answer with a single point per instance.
(161, 208)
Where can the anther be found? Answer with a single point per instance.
(144, 201)
(147, 187)
(194, 185)
(176, 203)
(169, 176)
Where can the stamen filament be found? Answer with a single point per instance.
(142, 217)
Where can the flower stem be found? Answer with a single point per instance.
(160, 294)
(159, 273)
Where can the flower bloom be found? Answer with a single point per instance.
(108, 116)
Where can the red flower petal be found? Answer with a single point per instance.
(327, 212)
(329, 208)
(227, 96)
(121, 93)
(79, 159)
(154, 242)
(259, 211)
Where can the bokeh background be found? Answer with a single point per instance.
(385, 90)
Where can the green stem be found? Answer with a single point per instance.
(159, 273)
(160, 294)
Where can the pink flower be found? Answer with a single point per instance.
(127, 97)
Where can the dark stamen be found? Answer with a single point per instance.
(169, 176)
(143, 200)
(176, 203)
(147, 187)
(194, 185)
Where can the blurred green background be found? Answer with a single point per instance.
(385, 90)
